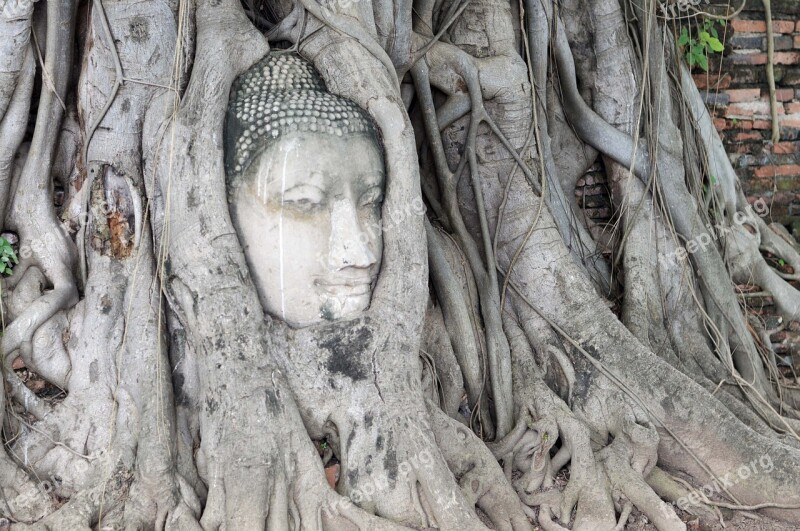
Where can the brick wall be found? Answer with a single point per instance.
(735, 89)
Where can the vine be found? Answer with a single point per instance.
(697, 47)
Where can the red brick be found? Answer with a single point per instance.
(712, 81)
(782, 26)
(797, 27)
(770, 171)
(749, 26)
(753, 184)
(749, 108)
(797, 40)
(750, 58)
(793, 120)
(759, 26)
(720, 124)
(786, 58)
(784, 94)
(748, 94)
(784, 148)
(762, 124)
(744, 137)
(793, 107)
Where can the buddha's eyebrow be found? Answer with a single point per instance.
(300, 177)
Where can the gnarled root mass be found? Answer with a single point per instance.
(511, 369)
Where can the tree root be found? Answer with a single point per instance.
(481, 479)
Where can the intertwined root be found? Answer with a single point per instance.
(21, 497)
(580, 379)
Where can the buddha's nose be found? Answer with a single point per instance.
(349, 244)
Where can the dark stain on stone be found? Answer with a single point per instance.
(667, 404)
(191, 198)
(178, 381)
(139, 29)
(211, 405)
(584, 374)
(328, 314)
(105, 304)
(379, 443)
(273, 400)
(367, 420)
(352, 477)
(347, 347)
(93, 372)
(390, 460)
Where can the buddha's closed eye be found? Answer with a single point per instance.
(372, 197)
(303, 197)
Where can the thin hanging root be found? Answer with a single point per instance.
(13, 126)
(86, 189)
(591, 128)
(773, 103)
(15, 31)
(485, 276)
(676, 490)
(32, 204)
(459, 324)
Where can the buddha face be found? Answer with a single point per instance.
(308, 216)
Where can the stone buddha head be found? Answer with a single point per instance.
(305, 178)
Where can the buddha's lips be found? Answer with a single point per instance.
(346, 287)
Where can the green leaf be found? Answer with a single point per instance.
(781, 262)
(715, 45)
(702, 62)
(713, 179)
(683, 40)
